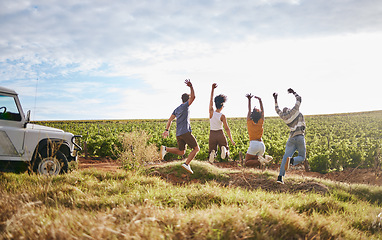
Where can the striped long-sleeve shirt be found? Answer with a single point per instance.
(293, 118)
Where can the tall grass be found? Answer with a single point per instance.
(165, 202)
(135, 151)
(91, 204)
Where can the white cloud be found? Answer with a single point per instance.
(333, 74)
(146, 49)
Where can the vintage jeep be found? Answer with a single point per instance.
(46, 150)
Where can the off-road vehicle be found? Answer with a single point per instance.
(46, 150)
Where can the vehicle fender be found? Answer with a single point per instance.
(52, 144)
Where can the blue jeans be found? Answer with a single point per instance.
(296, 143)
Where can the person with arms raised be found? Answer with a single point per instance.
(183, 129)
(217, 121)
(255, 120)
(296, 141)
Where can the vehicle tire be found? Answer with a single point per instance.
(51, 165)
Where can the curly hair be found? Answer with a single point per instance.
(219, 100)
(256, 115)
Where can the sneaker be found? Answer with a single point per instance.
(286, 167)
(212, 156)
(261, 160)
(224, 152)
(280, 180)
(162, 152)
(187, 167)
(268, 158)
(265, 160)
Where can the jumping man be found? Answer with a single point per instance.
(183, 129)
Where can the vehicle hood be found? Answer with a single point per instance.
(43, 128)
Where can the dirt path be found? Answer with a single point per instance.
(101, 164)
(365, 176)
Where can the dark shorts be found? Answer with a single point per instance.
(217, 138)
(188, 139)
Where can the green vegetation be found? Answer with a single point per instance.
(334, 142)
(163, 201)
(213, 204)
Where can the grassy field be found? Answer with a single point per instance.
(213, 203)
(334, 142)
(149, 201)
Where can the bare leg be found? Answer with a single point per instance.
(175, 151)
(192, 155)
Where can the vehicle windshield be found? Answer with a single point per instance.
(8, 109)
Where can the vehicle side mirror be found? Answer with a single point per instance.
(28, 118)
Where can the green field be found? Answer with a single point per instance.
(334, 142)
(163, 201)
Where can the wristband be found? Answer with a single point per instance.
(166, 130)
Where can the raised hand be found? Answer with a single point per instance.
(275, 95)
(188, 82)
(214, 85)
(249, 96)
(290, 90)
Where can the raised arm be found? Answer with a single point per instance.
(278, 111)
(298, 98)
(249, 96)
(211, 108)
(192, 94)
(261, 106)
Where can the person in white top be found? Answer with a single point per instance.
(218, 121)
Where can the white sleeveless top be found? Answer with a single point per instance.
(215, 122)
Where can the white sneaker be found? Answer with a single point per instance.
(265, 160)
(261, 160)
(212, 156)
(224, 152)
(162, 152)
(187, 167)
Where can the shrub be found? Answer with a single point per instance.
(319, 163)
(135, 151)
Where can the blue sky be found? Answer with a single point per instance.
(120, 59)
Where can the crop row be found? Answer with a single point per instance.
(333, 141)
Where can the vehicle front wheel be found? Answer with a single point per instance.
(51, 165)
